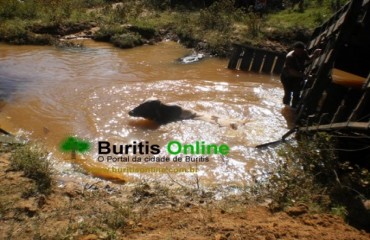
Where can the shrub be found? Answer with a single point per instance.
(119, 217)
(313, 172)
(159, 4)
(10, 9)
(13, 31)
(106, 32)
(145, 31)
(254, 23)
(127, 40)
(302, 171)
(218, 16)
(16, 32)
(33, 161)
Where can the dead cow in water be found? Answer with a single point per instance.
(162, 113)
(153, 109)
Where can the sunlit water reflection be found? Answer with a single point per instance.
(54, 93)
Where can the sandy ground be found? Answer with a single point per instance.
(108, 211)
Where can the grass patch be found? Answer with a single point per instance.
(310, 18)
(292, 24)
(34, 162)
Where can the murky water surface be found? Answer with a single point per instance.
(54, 93)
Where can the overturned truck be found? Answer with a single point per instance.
(336, 94)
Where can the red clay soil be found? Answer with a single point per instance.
(255, 222)
(115, 212)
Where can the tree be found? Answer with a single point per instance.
(73, 145)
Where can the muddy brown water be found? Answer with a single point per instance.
(50, 94)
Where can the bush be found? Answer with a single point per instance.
(302, 172)
(312, 172)
(159, 4)
(105, 33)
(218, 16)
(93, 3)
(13, 31)
(33, 161)
(10, 9)
(254, 23)
(127, 40)
(16, 32)
(144, 31)
(58, 12)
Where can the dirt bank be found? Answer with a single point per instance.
(101, 210)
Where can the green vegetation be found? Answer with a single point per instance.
(134, 22)
(292, 23)
(106, 32)
(314, 173)
(127, 40)
(313, 15)
(34, 162)
(303, 171)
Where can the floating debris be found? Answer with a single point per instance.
(195, 57)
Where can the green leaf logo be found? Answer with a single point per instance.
(73, 145)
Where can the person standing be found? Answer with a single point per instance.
(292, 76)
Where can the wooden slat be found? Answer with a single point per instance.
(339, 114)
(339, 22)
(235, 57)
(324, 118)
(367, 84)
(257, 61)
(315, 34)
(361, 106)
(267, 65)
(247, 59)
